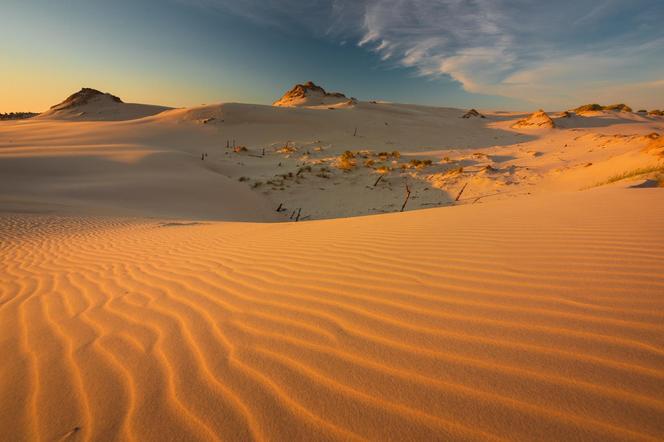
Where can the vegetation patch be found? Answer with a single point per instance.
(598, 107)
(659, 168)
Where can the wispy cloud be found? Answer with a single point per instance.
(544, 52)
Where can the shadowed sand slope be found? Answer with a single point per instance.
(528, 320)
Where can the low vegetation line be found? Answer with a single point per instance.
(629, 174)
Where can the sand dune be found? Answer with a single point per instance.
(518, 297)
(156, 165)
(536, 319)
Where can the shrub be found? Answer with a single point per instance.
(346, 161)
(419, 164)
(622, 107)
(618, 107)
(588, 108)
(385, 155)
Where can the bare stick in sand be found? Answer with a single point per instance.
(355, 133)
(378, 180)
(407, 196)
(460, 192)
(298, 214)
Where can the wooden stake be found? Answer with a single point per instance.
(460, 192)
(407, 196)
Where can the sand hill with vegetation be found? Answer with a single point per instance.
(309, 94)
(538, 119)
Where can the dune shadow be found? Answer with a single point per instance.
(647, 184)
(581, 122)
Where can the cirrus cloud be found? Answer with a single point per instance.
(544, 52)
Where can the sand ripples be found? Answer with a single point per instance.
(471, 323)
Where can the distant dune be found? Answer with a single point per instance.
(309, 94)
(91, 105)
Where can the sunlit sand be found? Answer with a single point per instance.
(330, 269)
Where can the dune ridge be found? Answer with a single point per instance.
(512, 320)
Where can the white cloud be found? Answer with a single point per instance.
(549, 53)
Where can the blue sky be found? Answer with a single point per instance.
(513, 54)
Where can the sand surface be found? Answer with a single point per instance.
(537, 320)
(151, 292)
(156, 166)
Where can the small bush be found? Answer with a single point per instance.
(369, 163)
(286, 149)
(618, 107)
(238, 149)
(243, 178)
(301, 170)
(588, 108)
(419, 164)
(598, 107)
(346, 161)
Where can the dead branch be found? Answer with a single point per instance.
(378, 180)
(460, 192)
(407, 196)
(298, 214)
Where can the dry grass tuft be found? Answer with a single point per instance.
(346, 161)
(659, 168)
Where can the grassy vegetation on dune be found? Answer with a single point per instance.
(598, 107)
(659, 168)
